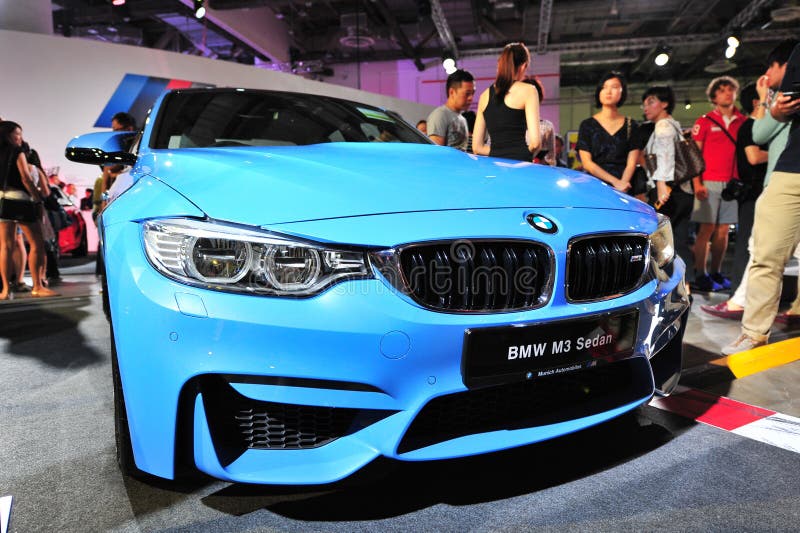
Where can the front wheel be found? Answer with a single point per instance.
(122, 433)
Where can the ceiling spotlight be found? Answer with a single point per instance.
(662, 56)
(118, 2)
(732, 45)
(199, 9)
(688, 105)
(449, 65)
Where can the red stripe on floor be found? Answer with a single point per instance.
(716, 411)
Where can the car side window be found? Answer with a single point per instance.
(371, 131)
(256, 118)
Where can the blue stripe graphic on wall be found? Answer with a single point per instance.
(122, 99)
(146, 98)
(136, 94)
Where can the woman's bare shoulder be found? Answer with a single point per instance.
(519, 94)
(484, 99)
(523, 88)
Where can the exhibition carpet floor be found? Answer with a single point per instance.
(665, 468)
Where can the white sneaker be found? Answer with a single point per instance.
(743, 343)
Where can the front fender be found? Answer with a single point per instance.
(147, 198)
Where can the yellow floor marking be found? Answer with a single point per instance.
(764, 357)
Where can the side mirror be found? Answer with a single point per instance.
(102, 148)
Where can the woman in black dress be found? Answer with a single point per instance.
(507, 109)
(605, 140)
(18, 185)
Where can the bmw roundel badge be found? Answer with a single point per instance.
(541, 223)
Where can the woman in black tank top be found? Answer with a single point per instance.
(18, 185)
(508, 109)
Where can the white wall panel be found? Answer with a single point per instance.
(56, 87)
(29, 15)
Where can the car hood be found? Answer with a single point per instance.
(263, 186)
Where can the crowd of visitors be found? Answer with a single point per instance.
(22, 210)
(32, 211)
(742, 152)
(751, 161)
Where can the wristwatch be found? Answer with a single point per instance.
(763, 104)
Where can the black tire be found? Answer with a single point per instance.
(122, 437)
(122, 434)
(104, 295)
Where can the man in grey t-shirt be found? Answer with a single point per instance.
(446, 126)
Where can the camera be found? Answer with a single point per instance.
(735, 189)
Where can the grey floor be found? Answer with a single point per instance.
(652, 471)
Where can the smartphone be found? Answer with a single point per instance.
(794, 95)
(791, 77)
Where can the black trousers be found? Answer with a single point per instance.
(679, 210)
(51, 250)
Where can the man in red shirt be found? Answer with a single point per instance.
(715, 134)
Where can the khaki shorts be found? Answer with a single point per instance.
(715, 210)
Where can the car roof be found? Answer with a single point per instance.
(207, 90)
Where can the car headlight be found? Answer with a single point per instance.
(662, 247)
(224, 257)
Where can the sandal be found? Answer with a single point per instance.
(44, 292)
(787, 318)
(20, 287)
(721, 310)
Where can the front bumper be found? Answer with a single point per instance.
(188, 356)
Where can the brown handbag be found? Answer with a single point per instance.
(650, 158)
(689, 160)
(650, 162)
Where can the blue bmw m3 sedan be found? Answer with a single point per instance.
(297, 285)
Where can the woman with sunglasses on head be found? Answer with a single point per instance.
(18, 185)
(507, 109)
(605, 142)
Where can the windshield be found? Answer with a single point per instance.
(258, 118)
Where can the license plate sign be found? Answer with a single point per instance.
(506, 354)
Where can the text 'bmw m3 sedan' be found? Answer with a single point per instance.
(298, 285)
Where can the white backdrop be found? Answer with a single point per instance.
(56, 88)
